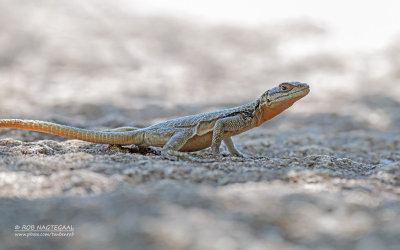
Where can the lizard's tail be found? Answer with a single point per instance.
(120, 138)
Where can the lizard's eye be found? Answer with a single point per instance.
(284, 88)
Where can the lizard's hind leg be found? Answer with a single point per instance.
(176, 142)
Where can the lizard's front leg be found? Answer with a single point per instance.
(234, 123)
(232, 148)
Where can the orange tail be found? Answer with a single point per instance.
(120, 138)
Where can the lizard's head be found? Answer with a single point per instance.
(284, 95)
(277, 99)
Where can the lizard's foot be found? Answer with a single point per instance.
(241, 155)
(221, 156)
(177, 155)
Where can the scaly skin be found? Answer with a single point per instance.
(189, 133)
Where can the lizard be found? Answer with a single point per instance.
(188, 133)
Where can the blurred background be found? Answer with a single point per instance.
(329, 175)
(85, 59)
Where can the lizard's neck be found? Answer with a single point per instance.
(266, 112)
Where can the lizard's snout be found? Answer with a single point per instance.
(302, 86)
(305, 88)
(305, 85)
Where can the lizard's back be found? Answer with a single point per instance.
(209, 117)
